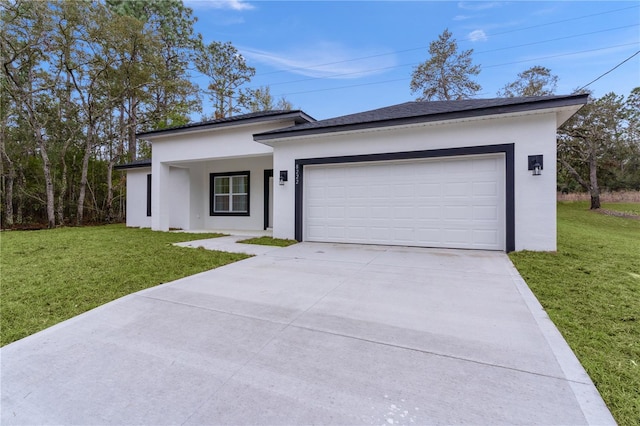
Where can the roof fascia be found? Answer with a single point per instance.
(439, 117)
(291, 138)
(298, 116)
(133, 166)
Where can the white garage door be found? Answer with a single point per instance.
(457, 202)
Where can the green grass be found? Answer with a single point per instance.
(590, 287)
(591, 290)
(51, 275)
(628, 208)
(269, 241)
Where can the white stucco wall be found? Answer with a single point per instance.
(531, 134)
(180, 198)
(197, 192)
(186, 204)
(137, 198)
(256, 167)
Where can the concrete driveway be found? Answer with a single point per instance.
(310, 334)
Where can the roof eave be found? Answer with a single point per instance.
(291, 132)
(133, 166)
(298, 116)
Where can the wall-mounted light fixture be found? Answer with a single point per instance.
(535, 164)
(284, 176)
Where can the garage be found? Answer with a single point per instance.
(451, 202)
(471, 174)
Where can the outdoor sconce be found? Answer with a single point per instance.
(535, 164)
(284, 176)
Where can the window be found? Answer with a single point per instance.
(229, 194)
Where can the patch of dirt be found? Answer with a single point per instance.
(618, 214)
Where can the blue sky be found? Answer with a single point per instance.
(331, 58)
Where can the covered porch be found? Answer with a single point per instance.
(227, 195)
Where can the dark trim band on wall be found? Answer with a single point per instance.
(267, 191)
(506, 149)
(149, 194)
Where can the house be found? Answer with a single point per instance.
(473, 174)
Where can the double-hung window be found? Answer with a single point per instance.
(229, 194)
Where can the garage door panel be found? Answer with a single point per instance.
(457, 167)
(377, 212)
(336, 192)
(460, 212)
(356, 212)
(485, 237)
(335, 212)
(336, 232)
(401, 236)
(428, 212)
(381, 233)
(485, 188)
(358, 232)
(428, 189)
(486, 164)
(485, 213)
(403, 190)
(429, 236)
(456, 236)
(451, 202)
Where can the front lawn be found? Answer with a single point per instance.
(52, 275)
(591, 290)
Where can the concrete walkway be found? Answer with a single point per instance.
(310, 334)
(229, 244)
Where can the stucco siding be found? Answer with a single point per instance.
(184, 202)
(137, 198)
(214, 144)
(180, 195)
(531, 134)
(256, 166)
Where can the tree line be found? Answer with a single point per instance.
(80, 79)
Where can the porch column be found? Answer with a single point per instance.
(160, 197)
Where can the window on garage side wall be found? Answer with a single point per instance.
(229, 194)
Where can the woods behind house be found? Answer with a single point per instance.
(80, 79)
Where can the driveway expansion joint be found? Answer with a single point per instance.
(426, 352)
(290, 324)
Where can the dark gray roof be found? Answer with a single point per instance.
(135, 164)
(298, 116)
(419, 111)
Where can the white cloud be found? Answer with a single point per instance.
(477, 35)
(461, 17)
(472, 5)
(219, 4)
(325, 60)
